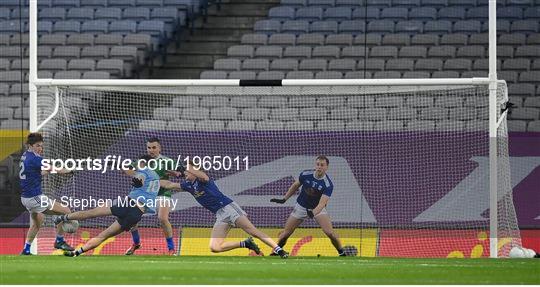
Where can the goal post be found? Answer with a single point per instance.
(410, 163)
(58, 91)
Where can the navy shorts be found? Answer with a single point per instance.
(127, 216)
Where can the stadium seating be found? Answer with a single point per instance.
(86, 39)
(300, 38)
(402, 39)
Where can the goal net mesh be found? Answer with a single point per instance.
(409, 164)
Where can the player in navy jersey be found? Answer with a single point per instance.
(141, 199)
(33, 199)
(316, 189)
(228, 213)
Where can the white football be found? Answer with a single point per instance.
(70, 226)
(517, 252)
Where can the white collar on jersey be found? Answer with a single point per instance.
(318, 178)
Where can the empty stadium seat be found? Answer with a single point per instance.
(339, 40)
(53, 40)
(338, 13)
(67, 52)
(400, 64)
(428, 65)
(423, 13)
(324, 27)
(438, 27)
(371, 65)
(254, 39)
(342, 65)
(467, 27)
(242, 75)
(80, 40)
(284, 65)
(321, 3)
(115, 67)
(109, 14)
(241, 51)
(213, 75)
(297, 52)
(81, 65)
(309, 14)
(80, 14)
(269, 52)
(227, 64)
(310, 39)
(353, 27)
(282, 39)
(299, 75)
(267, 26)
(295, 27)
(512, 39)
(95, 52)
(255, 64)
(409, 27)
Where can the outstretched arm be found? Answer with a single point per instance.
(167, 184)
(292, 190)
(59, 171)
(198, 173)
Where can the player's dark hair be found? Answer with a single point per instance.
(34, 138)
(323, 157)
(153, 140)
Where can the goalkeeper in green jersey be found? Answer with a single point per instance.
(153, 148)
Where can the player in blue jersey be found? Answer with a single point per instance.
(33, 199)
(228, 213)
(316, 189)
(141, 199)
(153, 148)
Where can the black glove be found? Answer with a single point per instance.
(136, 182)
(310, 213)
(181, 168)
(278, 200)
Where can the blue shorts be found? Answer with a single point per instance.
(127, 216)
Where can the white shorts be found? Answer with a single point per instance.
(300, 212)
(229, 214)
(37, 204)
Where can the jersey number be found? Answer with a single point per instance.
(21, 165)
(153, 186)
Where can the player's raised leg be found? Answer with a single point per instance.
(85, 214)
(59, 209)
(325, 223)
(217, 239)
(111, 231)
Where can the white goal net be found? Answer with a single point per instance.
(410, 164)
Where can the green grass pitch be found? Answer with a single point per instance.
(263, 270)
